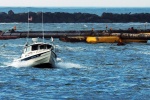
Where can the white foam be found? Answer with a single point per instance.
(68, 65)
(59, 64)
(85, 26)
(19, 64)
(59, 60)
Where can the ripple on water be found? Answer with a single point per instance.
(89, 71)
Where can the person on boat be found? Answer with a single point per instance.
(110, 31)
(92, 32)
(120, 42)
(106, 28)
(13, 29)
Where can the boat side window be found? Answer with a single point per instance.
(34, 47)
(49, 46)
(42, 46)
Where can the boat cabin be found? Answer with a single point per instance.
(34, 47)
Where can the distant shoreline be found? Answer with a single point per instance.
(91, 10)
(64, 17)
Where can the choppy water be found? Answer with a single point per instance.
(84, 71)
(72, 26)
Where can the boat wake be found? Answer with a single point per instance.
(68, 65)
(18, 64)
(61, 64)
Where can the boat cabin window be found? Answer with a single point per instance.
(45, 46)
(42, 46)
(49, 46)
(39, 46)
(34, 47)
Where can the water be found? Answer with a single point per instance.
(72, 26)
(84, 71)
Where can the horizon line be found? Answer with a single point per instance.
(76, 7)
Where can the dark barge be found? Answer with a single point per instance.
(76, 36)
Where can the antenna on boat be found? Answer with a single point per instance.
(28, 26)
(29, 19)
(42, 26)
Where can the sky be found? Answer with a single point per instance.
(75, 3)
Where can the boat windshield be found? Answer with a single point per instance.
(45, 46)
(34, 47)
(49, 46)
(40, 46)
(37, 47)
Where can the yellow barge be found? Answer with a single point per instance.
(102, 39)
(111, 39)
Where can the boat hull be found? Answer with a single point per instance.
(134, 40)
(41, 60)
(73, 38)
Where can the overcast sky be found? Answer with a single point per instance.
(75, 3)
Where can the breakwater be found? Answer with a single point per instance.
(64, 17)
(124, 34)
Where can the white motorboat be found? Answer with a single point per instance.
(39, 54)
